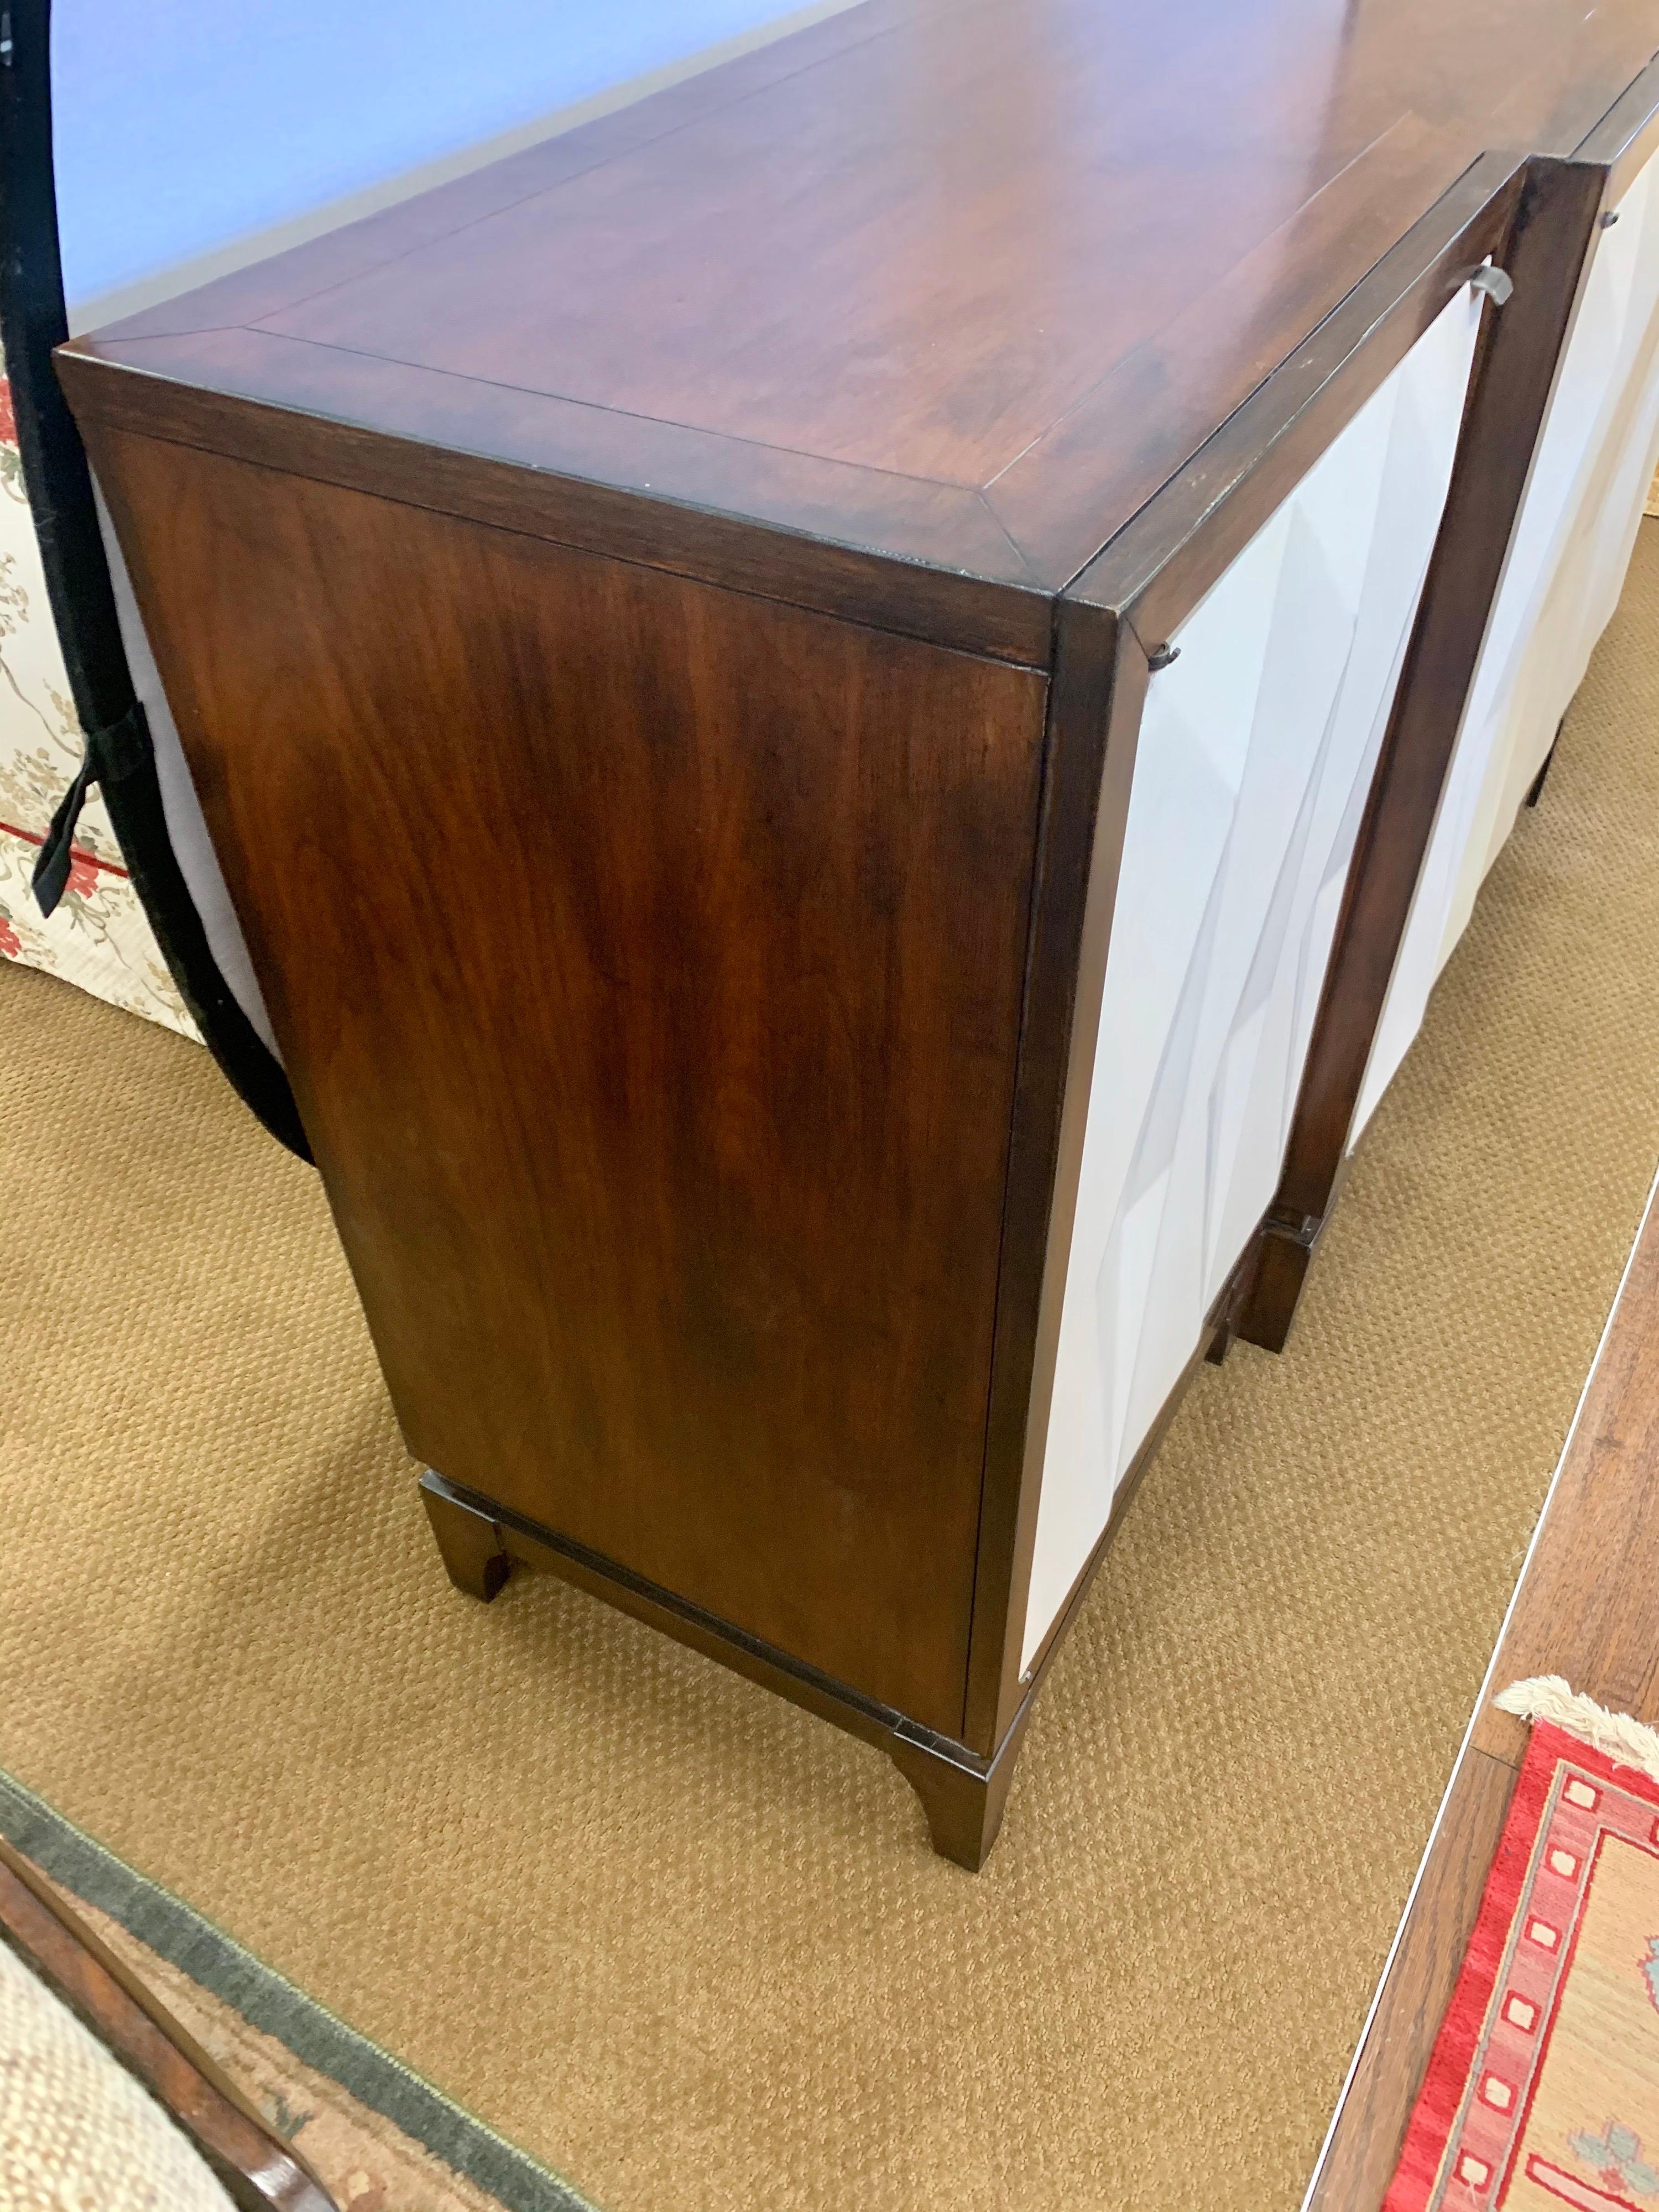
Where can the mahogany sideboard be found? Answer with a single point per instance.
(821, 703)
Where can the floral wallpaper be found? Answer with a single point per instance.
(99, 937)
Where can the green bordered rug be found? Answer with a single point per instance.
(381, 2138)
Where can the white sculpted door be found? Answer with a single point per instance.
(1567, 567)
(1255, 758)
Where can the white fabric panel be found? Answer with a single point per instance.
(1256, 755)
(1565, 569)
(187, 830)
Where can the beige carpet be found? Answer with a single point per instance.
(684, 1943)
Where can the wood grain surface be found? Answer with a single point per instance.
(648, 960)
(607, 603)
(963, 284)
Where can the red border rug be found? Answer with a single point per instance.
(1543, 2089)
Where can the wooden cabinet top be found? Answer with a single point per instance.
(959, 282)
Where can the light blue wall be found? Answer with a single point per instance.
(182, 126)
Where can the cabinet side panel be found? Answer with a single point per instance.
(646, 960)
(1256, 753)
(1572, 543)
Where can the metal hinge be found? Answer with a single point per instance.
(1497, 283)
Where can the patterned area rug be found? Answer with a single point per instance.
(1543, 2090)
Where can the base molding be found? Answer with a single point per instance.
(962, 1792)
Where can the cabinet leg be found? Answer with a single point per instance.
(1281, 1269)
(468, 1540)
(963, 1802)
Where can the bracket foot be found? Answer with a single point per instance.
(469, 1541)
(963, 1802)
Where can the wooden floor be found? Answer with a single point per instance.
(1587, 1608)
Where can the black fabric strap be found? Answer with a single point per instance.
(111, 754)
(119, 757)
(51, 863)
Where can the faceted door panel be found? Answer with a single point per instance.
(1567, 567)
(1256, 755)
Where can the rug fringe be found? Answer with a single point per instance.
(1549, 1697)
